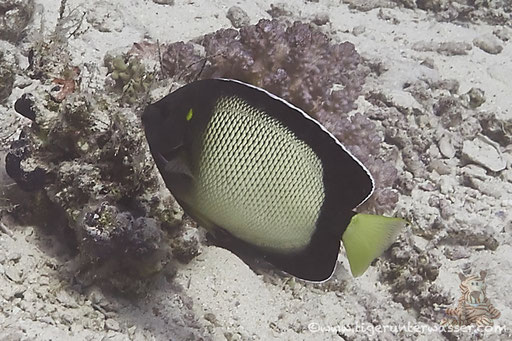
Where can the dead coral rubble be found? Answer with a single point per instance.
(453, 152)
(301, 64)
(492, 12)
(495, 12)
(411, 274)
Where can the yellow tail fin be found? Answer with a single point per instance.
(367, 237)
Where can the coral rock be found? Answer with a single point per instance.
(7, 75)
(237, 16)
(488, 43)
(483, 152)
(15, 15)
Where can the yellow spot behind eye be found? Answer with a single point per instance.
(189, 114)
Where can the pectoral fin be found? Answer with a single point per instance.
(174, 166)
(178, 166)
(367, 237)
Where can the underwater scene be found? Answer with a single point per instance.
(255, 170)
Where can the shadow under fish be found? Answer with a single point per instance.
(266, 177)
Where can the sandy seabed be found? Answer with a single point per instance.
(462, 202)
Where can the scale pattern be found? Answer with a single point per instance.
(256, 179)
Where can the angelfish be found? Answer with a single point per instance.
(241, 160)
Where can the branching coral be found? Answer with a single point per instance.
(182, 60)
(295, 61)
(301, 64)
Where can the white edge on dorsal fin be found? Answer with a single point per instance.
(318, 123)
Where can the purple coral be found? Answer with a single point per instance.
(301, 64)
(297, 62)
(181, 59)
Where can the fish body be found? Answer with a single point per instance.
(241, 160)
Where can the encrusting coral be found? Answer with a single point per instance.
(301, 64)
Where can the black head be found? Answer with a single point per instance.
(166, 122)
